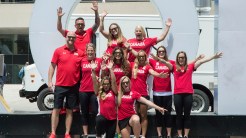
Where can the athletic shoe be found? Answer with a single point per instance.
(52, 135)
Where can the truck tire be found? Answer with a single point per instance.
(45, 100)
(200, 102)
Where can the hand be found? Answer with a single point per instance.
(93, 65)
(95, 6)
(110, 64)
(218, 55)
(105, 56)
(168, 22)
(162, 110)
(59, 12)
(103, 65)
(200, 57)
(104, 13)
(50, 87)
(154, 57)
(163, 75)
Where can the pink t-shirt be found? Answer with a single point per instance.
(82, 39)
(140, 83)
(86, 84)
(144, 44)
(68, 65)
(107, 107)
(161, 84)
(183, 80)
(127, 106)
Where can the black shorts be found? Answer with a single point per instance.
(123, 123)
(68, 92)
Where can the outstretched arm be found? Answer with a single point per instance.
(112, 76)
(164, 34)
(59, 23)
(168, 64)
(128, 47)
(200, 62)
(201, 56)
(97, 19)
(94, 77)
(149, 103)
(101, 27)
(50, 76)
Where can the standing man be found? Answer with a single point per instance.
(66, 60)
(82, 36)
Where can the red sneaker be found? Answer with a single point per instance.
(67, 136)
(52, 135)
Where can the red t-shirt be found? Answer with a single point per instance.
(82, 39)
(140, 83)
(113, 45)
(68, 65)
(86, 84)
(160, 84)
(144, 44)
(183, 80)
(107, 107)
(118, 72)
(127, 106)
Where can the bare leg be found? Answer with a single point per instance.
(54, 120)
(180, 132)
(159, 131)
(144, 119)
(135, 124)
(186, 132)
(85, 129)
(169, 130)
(69, 119)
(125, 133)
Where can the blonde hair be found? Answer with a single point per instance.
(102, 94)
(120, 38)
(136, 64)
(142, 30)
(121, 89)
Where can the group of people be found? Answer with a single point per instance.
(113, 88)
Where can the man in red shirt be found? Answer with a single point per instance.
(66, 60)
(82, 36)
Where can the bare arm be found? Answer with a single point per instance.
(59, 23)
(112, 76)
(94, 77)
(168, 64)
(197, 59)
(149, 103)
(164, 34)
(50, 76)
(128, 47)
(156, 74)
(200, 62)
(97, 19)
(101, 27)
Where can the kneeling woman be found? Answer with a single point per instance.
(106, 92)
(126, 112)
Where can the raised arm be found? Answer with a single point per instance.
(200, 62)
(94, 77)
(112, 76)
(164, 34)
(128, 47)
(50, 75)
(149, 103)
(101, 27)
(97, 19)
(201, 56)
(168, 64)
(59, 23)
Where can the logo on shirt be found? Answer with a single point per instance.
(137, 44)
(118, 70)
(76, 54)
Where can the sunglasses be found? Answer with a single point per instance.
(111, 29)
(80, 24)
(161, 51)
(71, 37)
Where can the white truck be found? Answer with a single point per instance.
(35, 88)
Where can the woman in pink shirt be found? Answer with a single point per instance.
(162, 90)
(140, 72)
(106, 91)
(114, 36)
(127, 115)
(183, 89)
(141, 42)
(87, 95)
